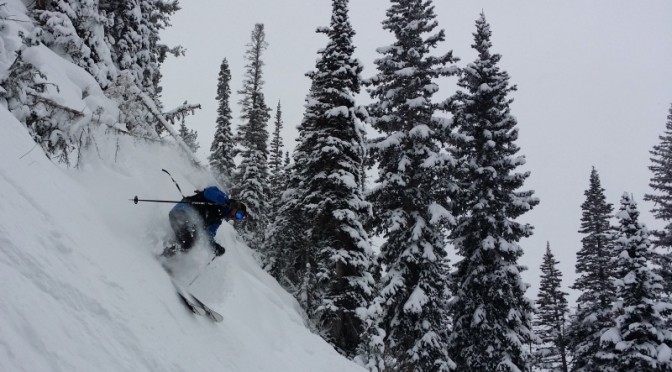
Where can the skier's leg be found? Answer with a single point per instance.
(185, 230)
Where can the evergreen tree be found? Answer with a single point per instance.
(275, 158)
(117, 42)
(661, 183)
(279, 182)
(551, 317)
(492, 317)
(21, 91)
(639, 341)
(411, 202)
(593, 316)
(133, 33)
(335, 282)
(76, 29)
(189, 136)
(251, 176)
(276, 168)
(222, 148)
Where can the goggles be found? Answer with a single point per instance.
(239, 216)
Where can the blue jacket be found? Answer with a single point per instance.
(214, 209)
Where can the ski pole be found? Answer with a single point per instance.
(175, 182)
(201, 272)
(135, 200)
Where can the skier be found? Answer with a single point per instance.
(201, 213)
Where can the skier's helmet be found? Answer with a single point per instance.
(238, 210)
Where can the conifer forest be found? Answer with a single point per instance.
(398, 215)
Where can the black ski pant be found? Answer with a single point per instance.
(185, 228)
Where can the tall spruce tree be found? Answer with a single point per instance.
(275, 158)
(492, 317)
(551, 317)
(251, 176)
(222, 148)
(278, 184)
(411, 200)
(640, 340)
(593, 315)
(661, 183)
(328, 158)
(276, 153)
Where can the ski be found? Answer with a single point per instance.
(195, 305)
(194, 308)
(212, 314)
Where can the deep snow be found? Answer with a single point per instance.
(81, 287)
(83, 291)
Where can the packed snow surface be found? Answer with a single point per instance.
(83, 290)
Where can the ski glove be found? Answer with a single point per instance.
(219, 250)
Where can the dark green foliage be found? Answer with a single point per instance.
(661, 183)
(640, 340)
(595, 281)
(551, 317)
(222, 148)
(275, 159)
(251, 177)
(329, 262)
(492, 318)
(411, 200)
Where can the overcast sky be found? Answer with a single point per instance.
(594, 86)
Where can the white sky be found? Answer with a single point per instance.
(594, 86)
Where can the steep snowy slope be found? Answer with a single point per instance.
(80, 284)
(82, 290)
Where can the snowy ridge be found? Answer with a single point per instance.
(82, 290)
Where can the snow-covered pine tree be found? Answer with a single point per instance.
(594, 267)
(492, 317)
(640, 340)
(189, 136)
(331, 258)
(76, 29)
(251, 176)
(222, 148)
(276, 153)
(551, 317)
(278, 181)
(21, 91)
(332, 198)
(410, 202)
(133, 36)
(661, 183)
(275, 158)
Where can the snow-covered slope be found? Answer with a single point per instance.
(82, 289)
(80, 284)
